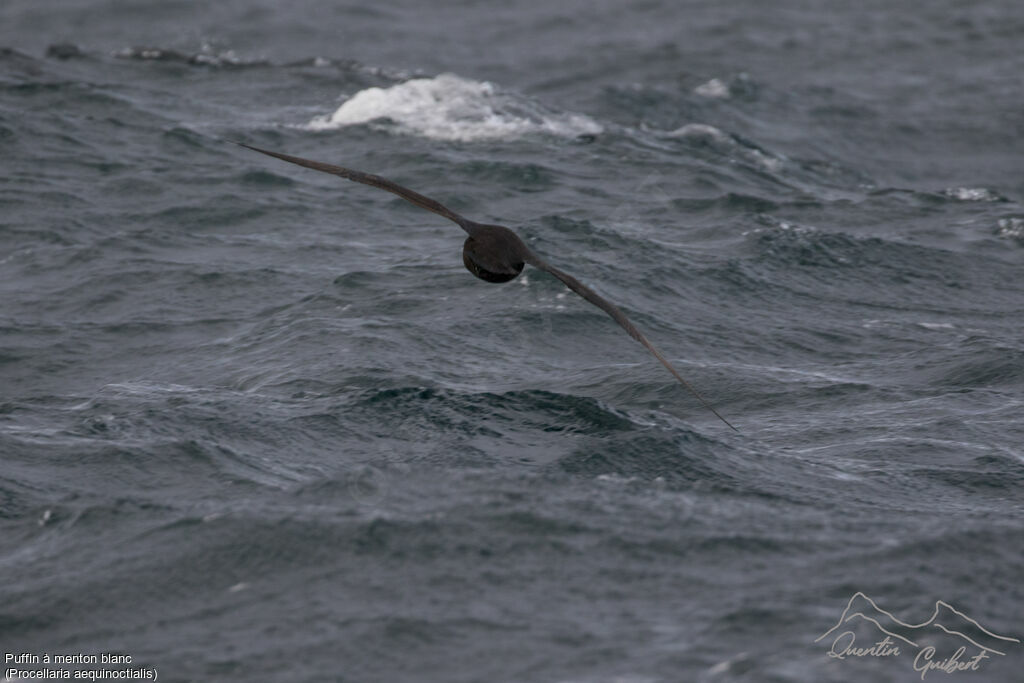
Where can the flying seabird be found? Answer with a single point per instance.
(493, 252)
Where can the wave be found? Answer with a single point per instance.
(449, 107)
(973, 194)
(207, 56)
(700, 134)
(1011, 228)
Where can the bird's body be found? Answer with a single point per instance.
(492, 252)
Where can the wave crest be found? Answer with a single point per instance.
(448, 107)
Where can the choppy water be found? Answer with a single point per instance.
(258, 423)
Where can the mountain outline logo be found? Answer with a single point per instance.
(900, 636)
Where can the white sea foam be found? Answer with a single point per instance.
(972, 194)
(715, 88)
(700, 132)
(449, 107)
(1011, 227)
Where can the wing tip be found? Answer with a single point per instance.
(247, 146)
(726, 421)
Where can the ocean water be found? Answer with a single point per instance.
(259, 423)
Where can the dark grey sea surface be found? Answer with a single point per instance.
(259, 423)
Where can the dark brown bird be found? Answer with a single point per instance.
(493, 252)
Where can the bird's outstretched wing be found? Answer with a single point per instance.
(618, 316)
(374, 180)
(474, 229)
